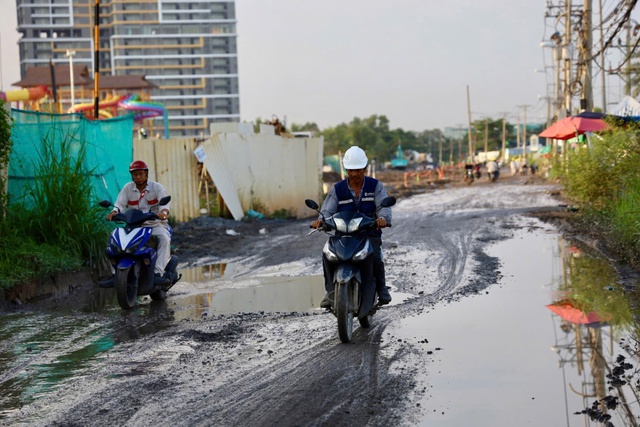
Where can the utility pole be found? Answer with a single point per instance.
(628, 54)
(603, 74)
(451, 142)
(586, 102)
(518, 132)
(486, 139)
(469, 133)
(566, 54)
(557, 102)
(524, 132)
(460, 158)
(504, 137)
(70, 54)
(96, 59)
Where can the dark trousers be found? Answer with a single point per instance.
(378, 263)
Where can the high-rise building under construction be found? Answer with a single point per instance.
(186, 48)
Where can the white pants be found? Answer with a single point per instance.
(161, 231)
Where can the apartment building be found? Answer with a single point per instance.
(186, 48)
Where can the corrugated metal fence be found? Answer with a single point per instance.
(278, 172)
(173, 164)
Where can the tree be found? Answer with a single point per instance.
(5, 150)
(307, 127)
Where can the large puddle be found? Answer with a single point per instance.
(505, 359)
(502, 358)
(42, 347)
(264, 294)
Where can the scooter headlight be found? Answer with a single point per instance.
(363, 253)
(354, 225)
(341, 226)
(133, 248)
(331, 256)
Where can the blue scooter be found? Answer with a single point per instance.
(133, 255)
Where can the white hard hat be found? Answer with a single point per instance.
(354, 158)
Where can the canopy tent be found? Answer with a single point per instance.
(572, 126)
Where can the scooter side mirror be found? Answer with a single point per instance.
(164, 200)
(104, 203)
(387, 202)
(311, 204)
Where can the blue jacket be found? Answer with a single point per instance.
(366, 205)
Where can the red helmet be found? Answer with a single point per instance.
(138, 165)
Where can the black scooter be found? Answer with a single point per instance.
(347, 248)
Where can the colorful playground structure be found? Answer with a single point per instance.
(107, 108)
(31, 94)
(133, 103)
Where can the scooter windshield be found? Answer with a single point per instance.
(348, 222)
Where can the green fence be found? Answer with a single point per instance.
(108, 144)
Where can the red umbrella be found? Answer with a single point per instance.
(567, 311)
(570, 127)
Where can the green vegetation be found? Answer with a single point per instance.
(5, 150)
(605, 181)
(57, 226)
(380, 141)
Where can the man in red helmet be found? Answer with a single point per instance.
(145, 195)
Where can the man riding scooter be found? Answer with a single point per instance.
(145, 195)
(363, 194)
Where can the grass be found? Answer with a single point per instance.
(57, 226)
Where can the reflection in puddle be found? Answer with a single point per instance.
(207, 273)
(490, 358)
(595, 318)
(269, 294)
(38, 351)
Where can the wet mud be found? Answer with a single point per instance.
(224, 348)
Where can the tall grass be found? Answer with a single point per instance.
(58, 226)
(65, 211)
(605, 180)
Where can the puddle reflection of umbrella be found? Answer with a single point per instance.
(566, 310)
(571, 126)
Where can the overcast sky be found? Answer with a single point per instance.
(332, 60)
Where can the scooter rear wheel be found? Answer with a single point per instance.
(127, 287)
(344, 313)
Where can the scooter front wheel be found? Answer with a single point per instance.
(343, 312)
(127, 287)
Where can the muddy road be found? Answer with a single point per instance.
(228, 349)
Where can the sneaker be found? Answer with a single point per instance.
(326, 302)
(108, 283)
(160, 280)
(383, 296)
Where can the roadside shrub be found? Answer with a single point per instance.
(27, 259)
(605, 180)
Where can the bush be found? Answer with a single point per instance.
(605, 180)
